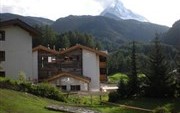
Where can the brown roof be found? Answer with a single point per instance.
(67, 74)
(21, 24)
(83, 47)
(40, 47)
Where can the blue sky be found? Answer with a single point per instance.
(164, 12)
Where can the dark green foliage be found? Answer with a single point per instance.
(159, 83)
(122, 92)
(69, 39)
(120, 61)
(112, 33)
(133, 76)
(113, 96)
(48, 36)
(65, 43)
(123, 89)
(177, 74)
(65, 40)
(43, 89)
(161, 110)
(172, 37)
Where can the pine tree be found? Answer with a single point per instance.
(159, 82)
(133, 79)
(48, 36)
(98, 45)
(65, 42)
(123, 90)
(178, 75)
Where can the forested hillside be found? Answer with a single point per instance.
(172, 37)
(120, 61)
(112, 33)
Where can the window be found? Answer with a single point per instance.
(102, 59)
(63, 87)
(75, 88)
(77, 58)
(2, 35)
(2, 74)
(53, 59)
(49, 59)
(102, 70)
(2, 55)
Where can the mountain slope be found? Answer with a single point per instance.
(172, 36)
(109, 31)
(29, 20)
(116, 10)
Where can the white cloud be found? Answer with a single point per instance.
(105, 3)
(164, 12)
(52, 9)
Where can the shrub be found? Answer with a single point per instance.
(47, 90)
(123, 89)
(118, 76)
(42, 89)
(161, 110)
(113, 96)
(22, 76)
(9, 84)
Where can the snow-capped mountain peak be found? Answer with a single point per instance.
(117, 10)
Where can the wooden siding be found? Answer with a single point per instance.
(103, 78)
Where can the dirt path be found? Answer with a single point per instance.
(70, 109)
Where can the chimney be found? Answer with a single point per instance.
(48, 46)
(54, 47)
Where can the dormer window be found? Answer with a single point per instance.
(2, 35)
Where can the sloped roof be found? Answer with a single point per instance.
(67, 74)
(40, 47)
(21, 24)
(83, 47)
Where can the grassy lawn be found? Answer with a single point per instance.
(151, 103)
(20, 102)
(116, 77)
(141, 103)
(115, 109)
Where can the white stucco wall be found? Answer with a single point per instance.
(18, 52)
(68, 81)
(91, 69)
(35, 65)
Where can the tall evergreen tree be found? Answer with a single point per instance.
(159, 82)
(65, 42)
(98, 45)
(133, 78)
(178, 74)
(48, 36)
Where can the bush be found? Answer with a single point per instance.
(123, 89)
(161, 110)
(47, 90)
(113, 96)
(118, 76)
(9, 84)
(42, 89)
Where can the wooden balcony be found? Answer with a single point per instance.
(103, 78)
(102, 64)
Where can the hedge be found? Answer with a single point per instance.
(42, 89)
